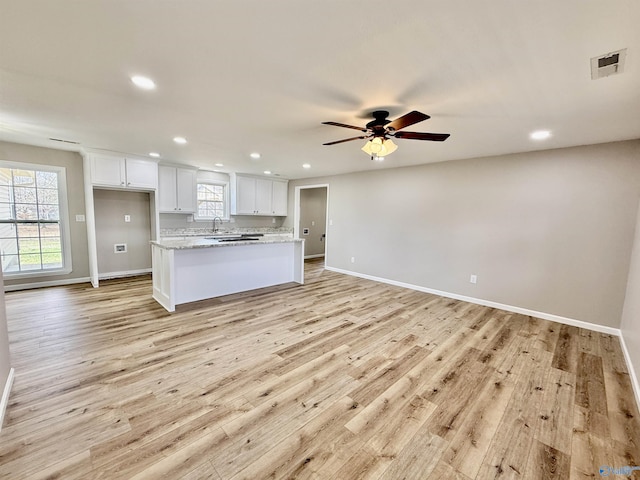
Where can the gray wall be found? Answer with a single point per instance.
(631, 314)
(110, 208)
(313, 211)
(75, 195)
(549, 231)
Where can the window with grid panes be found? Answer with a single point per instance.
(31, 229)
(211, 201)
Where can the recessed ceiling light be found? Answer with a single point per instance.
(540, 135)
(180, 140)
(306, 165)
(255, 155)
(219, 164)
(154, 154)
(267, 172)
(143, 82)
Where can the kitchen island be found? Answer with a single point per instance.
(199, 268)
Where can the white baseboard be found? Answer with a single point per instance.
(632, 371)
(509, 308)
(317, 255)
(5, 396)
(125, 273)
(52, 283)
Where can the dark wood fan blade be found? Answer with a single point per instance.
(335, 124)
(435, 137)
(408, 119)
(345, 140)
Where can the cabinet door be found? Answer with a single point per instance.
(279, 198)
(167, 189)
(245, 195)
(186, 190)
(108, 171)
(142, 174)
(264, 191)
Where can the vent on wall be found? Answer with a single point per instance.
(608, 64)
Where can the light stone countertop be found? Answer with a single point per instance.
(202, 242)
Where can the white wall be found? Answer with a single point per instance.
(549, 231)
(631, 313)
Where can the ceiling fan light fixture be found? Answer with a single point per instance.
(379, 147)
(389, 146)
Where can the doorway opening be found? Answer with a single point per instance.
(311, 220)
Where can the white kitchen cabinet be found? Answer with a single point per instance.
(251, 195)
(279, 198)
(243, 195)
(264, 191)
(176, 190)
(122, 172)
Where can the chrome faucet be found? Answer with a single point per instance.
(215, 230)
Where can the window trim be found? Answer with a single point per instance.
(65, 226)
(223, 184)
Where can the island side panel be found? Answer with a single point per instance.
(201, 273)
(298, 268)
(163, 280)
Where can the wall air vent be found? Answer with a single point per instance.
(608, 64)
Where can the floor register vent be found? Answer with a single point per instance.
(608, 64)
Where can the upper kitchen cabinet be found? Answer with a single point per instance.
(251, 195)
(279, 198)
(176, 189)
(123, 172)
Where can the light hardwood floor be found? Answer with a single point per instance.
(340, 378)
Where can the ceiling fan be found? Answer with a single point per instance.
(380, 130)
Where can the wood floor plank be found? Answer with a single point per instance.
(341, 378)
(471, 443)
(508, 454)
(590, 387)
(547, 463)
(555, 422)
(565, 355)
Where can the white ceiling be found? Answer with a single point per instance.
(235, 77)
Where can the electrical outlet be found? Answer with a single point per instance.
(353, 259)
(127, 218)
(473, 279)
(80, 218)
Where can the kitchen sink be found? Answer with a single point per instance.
(237, 239)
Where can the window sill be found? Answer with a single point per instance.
(36, 273)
